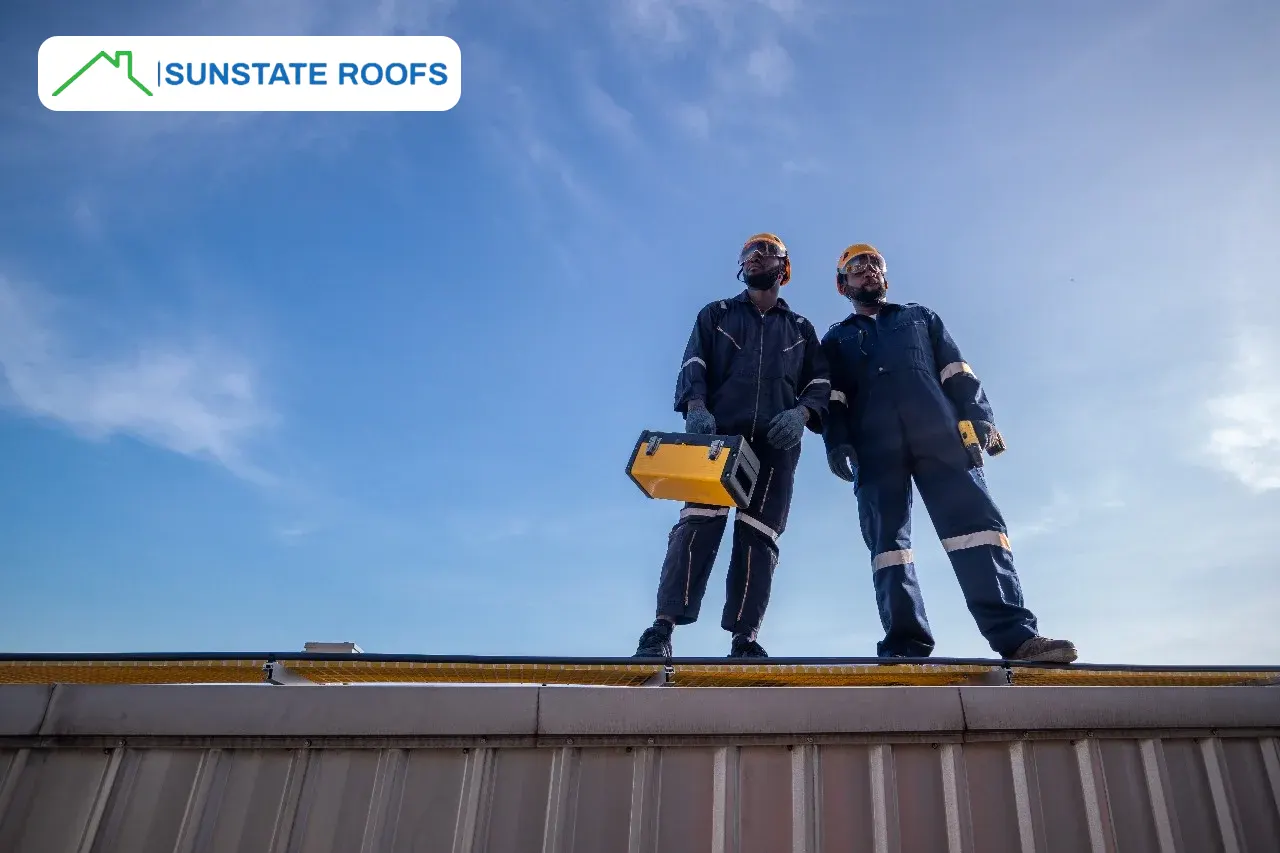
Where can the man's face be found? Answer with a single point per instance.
(866, 281)
(758, 263)
(761, 262)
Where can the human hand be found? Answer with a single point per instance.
(842, 460)
(699, 421)
(787, 428)
(989, 437)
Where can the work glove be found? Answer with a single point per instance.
(842, 460)
(787, 428)
(699, 421)
(989, 437)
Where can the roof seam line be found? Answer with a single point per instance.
(48, 706)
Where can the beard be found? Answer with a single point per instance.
(869, 295)
(763, 280)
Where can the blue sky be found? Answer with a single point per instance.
(276, 378)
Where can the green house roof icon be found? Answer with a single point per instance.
(125, 56)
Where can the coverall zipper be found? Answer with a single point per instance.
(759, 371)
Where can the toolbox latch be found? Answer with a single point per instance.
(716, 447)
(652, 447)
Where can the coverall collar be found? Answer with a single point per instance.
(780, 304)
(886, 308)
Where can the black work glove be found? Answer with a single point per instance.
(700, 421)
(842, 460)
(989, 437)
(787, 428)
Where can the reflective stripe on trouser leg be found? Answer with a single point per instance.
(692, 546)
(884, 515)
(972, 530)
(983, 563)
(756, 532)
(901, 605)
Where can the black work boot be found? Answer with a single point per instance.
(655, 642)
(745, 647)
(1044, 650)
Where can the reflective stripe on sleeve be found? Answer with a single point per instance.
(839, 397)
(815, 382)
(694, 360)
(955, 368)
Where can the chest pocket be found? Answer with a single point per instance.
(784, 349)
(855, 349)
(906, 344)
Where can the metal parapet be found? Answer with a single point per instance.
(288, 669)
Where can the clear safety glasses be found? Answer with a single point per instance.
(767, 248)
(866, 260)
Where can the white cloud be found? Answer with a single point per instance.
(1244, 419)
(193, 398)
(735, 64)
(694, 119)
(86, 219)
(770, 66)
(802, 166)
(607, 113)
(1067, 508)
(675, 21)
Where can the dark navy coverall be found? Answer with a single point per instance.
(899, 389)
(747, 368)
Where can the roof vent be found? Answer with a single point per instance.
(333, 648)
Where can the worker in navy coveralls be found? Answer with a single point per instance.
(900, 387)
(755, 368)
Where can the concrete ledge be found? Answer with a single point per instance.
(267, 711)
(22, 707)
(526, 711)
(1049, 708)
(748, 711)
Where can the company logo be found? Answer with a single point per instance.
(250, 73)
(124, 56)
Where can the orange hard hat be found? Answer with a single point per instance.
(767, 237)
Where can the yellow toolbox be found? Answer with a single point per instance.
(719, 470)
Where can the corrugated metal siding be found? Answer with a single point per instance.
(658, 787)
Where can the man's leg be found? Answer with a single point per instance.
(756, 532)
(883, 488)
(974, 535)
(692, 546)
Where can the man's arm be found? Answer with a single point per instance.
(691, 381)
(835, 431)
(815, 380)
(958, 380)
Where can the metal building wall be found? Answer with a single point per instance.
(101, 769)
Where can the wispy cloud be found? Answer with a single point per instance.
(1244, 434)
(771, 68)
(740, 49)
(606, 112)
(1067, 507)
(193, 397)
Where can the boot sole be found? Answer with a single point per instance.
(1055, 656)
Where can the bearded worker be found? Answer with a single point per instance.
(900, 389)
(752, 367)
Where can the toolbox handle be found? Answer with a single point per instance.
(652, 446)
(716, 447)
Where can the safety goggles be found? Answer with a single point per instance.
(767, 248)
(866, 260)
